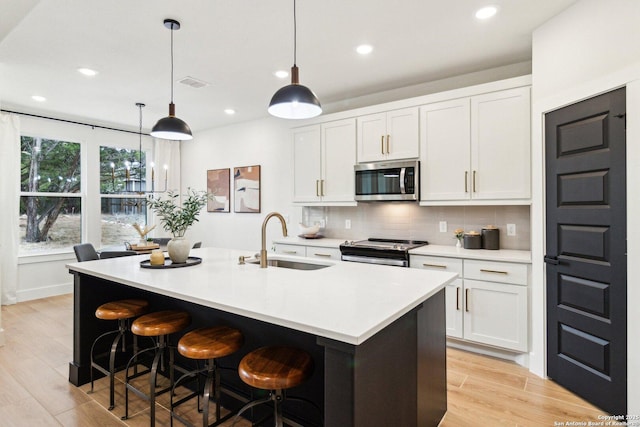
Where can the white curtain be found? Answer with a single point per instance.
(10, 191)
(165, 153)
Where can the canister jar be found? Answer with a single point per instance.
(491, 237)
(472, 240)
(156, 257)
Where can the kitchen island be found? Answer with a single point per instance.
(376, 333)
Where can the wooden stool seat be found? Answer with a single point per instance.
(160, 323)
(210, 343)
(276, 368)
(122, 309)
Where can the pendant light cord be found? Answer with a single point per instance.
(140, 105)
(172, 62)
(295, 33)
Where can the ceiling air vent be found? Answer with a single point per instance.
(193, 82)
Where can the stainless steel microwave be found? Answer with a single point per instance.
(387, 181)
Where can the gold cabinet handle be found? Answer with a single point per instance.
(466, 181)
(290, 252)
(435, 265)
(457, 297)
(317, 191)
(474, 181)
(324, 255)
(388, 138)
(382, 144)
(494, 271)
(466, 299)
(322, 187)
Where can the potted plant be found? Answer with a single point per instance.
(177, 219)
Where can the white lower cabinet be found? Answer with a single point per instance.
(308, 251)
(323, 253)
(285, 249)
(488, 304)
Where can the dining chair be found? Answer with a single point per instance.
(85, 252)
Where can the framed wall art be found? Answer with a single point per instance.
(218, 186)
(246, 189)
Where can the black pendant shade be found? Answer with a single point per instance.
(294, 101)
(171, 127)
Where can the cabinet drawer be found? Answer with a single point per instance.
(492, 271)
(450, 265)
(323, 253)
(290, 249)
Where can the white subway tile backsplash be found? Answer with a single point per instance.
(411, 221)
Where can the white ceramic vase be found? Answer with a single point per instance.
(178, 249)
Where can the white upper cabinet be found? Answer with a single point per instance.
(324, 156)
(501, 145)
(446, 154)
(477, 148)
(391, 135)
(306, 164)
(338, 158)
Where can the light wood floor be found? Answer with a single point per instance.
(34, 387)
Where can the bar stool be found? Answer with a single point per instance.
(158, 325)
(275, 369)
(207, 344)
(122, 311)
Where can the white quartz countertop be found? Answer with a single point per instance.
(506, 255)
(348, 302)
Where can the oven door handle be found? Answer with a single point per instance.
(372, 260)
(403, 178)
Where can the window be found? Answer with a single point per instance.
(50, 202)
(122, 181)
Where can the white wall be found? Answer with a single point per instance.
(590, 48)
(264, 142)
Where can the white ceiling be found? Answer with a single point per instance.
(236, 45)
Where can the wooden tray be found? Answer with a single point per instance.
(145, 248)
(192, 260)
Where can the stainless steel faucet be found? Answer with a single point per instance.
(263, 249)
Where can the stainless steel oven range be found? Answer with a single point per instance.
(379, 251)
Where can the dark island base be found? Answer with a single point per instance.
(397, 377)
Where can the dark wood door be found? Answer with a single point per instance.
(586, 260)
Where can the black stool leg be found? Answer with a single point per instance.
(152, 385)
(112, 368)
(249, 406)
(134, 359)
(277, 407)
(122, 328)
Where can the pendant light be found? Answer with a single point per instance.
(294, 101)
(171, 127)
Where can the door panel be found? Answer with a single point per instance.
(586, 249)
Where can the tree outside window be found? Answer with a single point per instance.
(50, 203)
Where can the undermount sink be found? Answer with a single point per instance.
(295, 265)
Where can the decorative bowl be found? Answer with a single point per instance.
(309, 230)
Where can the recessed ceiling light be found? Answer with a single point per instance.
(364, 49)
(87, 72)
(281, 74)
(486, 12)
(38, 98)
(230, 111)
